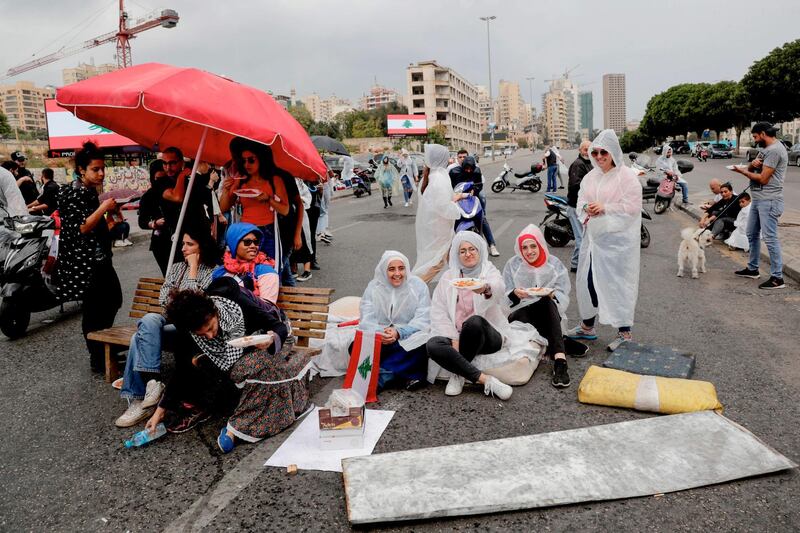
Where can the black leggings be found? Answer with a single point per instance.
(543, 315)
(593, 295)
(477, 337)
(101, 301)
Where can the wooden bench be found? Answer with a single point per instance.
(306, 307)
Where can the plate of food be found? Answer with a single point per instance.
(247, 193)
(467, 283)
(734, 167)
(250, 340)
(539, 291)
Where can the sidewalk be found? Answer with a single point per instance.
(788, 231)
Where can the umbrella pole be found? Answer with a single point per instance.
(186, 196)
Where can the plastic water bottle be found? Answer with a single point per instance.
(144, 436)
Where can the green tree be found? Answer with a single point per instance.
(302, 115)
(436, 135)
(772, 84)
(5, 129)
(634, 141)
(522, 142)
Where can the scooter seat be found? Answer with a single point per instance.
(522, 175)
(557, 199)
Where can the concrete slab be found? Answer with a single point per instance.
(623, 460)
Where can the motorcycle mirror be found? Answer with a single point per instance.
(632, 156)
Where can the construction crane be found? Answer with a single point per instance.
(166, 18)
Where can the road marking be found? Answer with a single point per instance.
(503, 227)
(206, 508)
(346, 226)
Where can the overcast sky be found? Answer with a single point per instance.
(341, 47)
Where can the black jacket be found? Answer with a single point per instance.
(577, 170)
(732, 212)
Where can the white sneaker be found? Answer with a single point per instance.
(119, 244)
(405, 204)
(495, 387)
(454, 386)
(134, 414)
(154, 391)
(126, 242)
(493, 251)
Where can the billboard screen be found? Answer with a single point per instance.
(66, 132)
(406, 125)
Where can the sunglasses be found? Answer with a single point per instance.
(249, 242)
(250, 160)
(600, 152)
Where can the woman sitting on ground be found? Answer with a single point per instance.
(534, 267)
(141, 382)
(397, 304)
(468, 322)
(251, 268)
(721, 216)
(265, 408)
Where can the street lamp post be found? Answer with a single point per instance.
(492, 123)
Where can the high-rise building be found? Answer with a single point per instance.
(512, 112)
(587, 110)
(23, 105)
(614, 102)
(324, 110)
(447, 99)
(485, 106)
(378, 96)
(555, 118)
(85, 71)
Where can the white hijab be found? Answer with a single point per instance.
(408, 305)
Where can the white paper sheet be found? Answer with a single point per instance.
(302, 446)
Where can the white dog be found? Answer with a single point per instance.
(692, 249)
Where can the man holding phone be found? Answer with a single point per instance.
(766, 174)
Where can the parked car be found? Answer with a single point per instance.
(794, 155)
(678, 147)
(508, 151)
(718, 150)
(752, 152)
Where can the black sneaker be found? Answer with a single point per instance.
(560, 375)
(305, 276)
(773, 283)
(186, 419)
(747, 273)
(315, 266)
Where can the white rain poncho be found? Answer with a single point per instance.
(738, 238)
(551, 274)
(668, 163)
(519, 339)
(305, 196)
(347, 167)
(611, 240)
(406, 307)
(436, 215)
(408, 167)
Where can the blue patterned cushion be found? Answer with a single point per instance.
(651, 360)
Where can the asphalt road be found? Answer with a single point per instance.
(64, 468)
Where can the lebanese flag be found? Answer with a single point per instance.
(365, 362)
(406, 125)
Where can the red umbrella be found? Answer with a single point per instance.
(160, 106)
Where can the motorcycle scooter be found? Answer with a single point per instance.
(25, 244)
(558, 232)
(529, 181)
(470, 209)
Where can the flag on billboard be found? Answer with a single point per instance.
(406, 125)
(65, 131)
(365, 362)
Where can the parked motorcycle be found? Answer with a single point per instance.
(361, 183)
(470, 208)
(25, 243)
(667, 187)
(558, 232)
(528, 181)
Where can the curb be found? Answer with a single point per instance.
(788, 270)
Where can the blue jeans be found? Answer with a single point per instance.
(268, 243)
(144, 354)
(487, 230)
(763, 222)
(287, 278)
(552, 184)
(407, 190)
(684, 189)
(577, 230)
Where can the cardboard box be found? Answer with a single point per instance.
(354, 419)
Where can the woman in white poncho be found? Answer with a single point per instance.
(610, 206)
(436, 214)
(669, 165)
(397, 304)
(533, 267)
(469, 328)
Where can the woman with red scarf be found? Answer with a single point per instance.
(243, 261)
(532, 268)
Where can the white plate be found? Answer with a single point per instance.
(467, 283)
(247, 193)
(539, 291)
(734, 167)
(250, 340)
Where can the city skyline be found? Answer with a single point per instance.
(350, 63)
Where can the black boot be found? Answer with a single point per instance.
(385, 203)
(390, 199)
